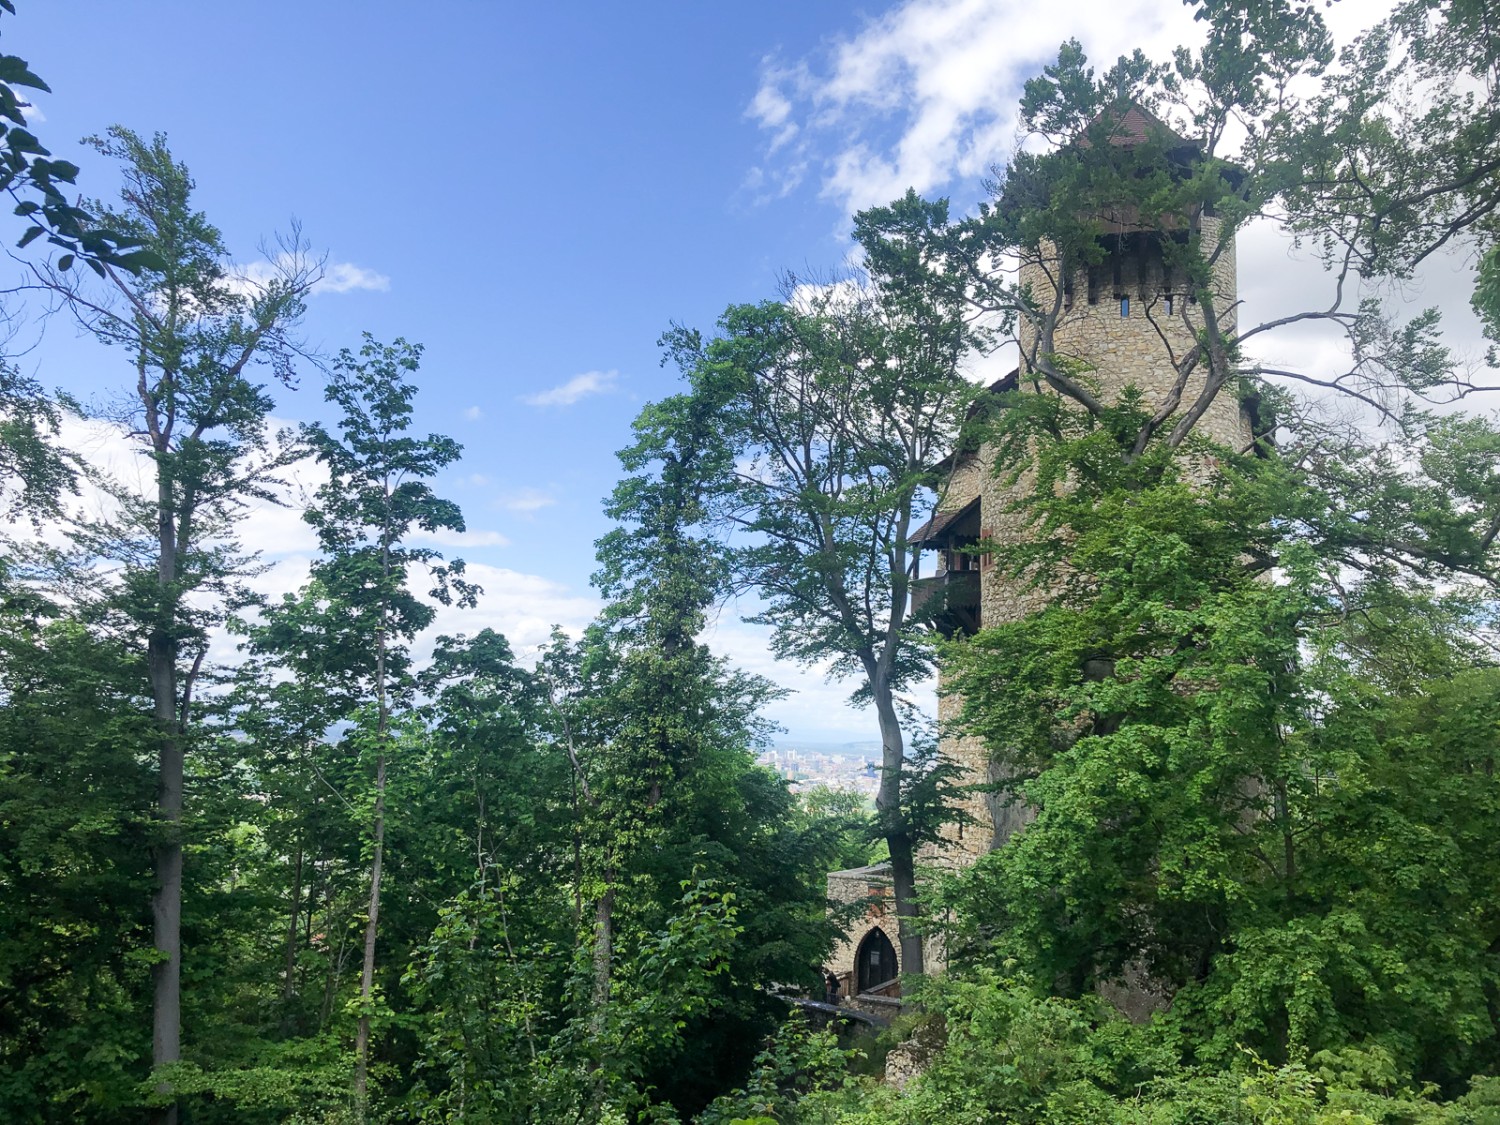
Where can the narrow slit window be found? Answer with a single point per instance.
(1124, 306)
(1166, 303)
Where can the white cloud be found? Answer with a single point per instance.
(447, 538)
(338, 277)
(526, 500)
(524, 607)
(473, 414)
(816, 707)
(342, 277)
(580, 386)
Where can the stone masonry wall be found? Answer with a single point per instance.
(1135, 350)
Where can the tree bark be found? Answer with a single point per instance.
(382, 727)
(289, 982)
(604, 953)
(893, 825)
(367, 973)
(166, 903)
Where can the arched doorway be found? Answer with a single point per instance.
(874, 962)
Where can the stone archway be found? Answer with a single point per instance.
(874, 962)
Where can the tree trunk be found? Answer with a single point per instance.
(382, 727)
(166, 915)
(367, 974)
(604, 954)
(166, 903)
(289, 982)
(893, 825)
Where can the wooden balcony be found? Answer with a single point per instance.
(949, 601)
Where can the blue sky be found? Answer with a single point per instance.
(535, 192)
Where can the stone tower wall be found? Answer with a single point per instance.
(1119, 351)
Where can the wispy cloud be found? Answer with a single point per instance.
(449, 538)
(526, 500)
(580, 386)
(338, 277)
(473, 414)
(925, 95)
(343, 277)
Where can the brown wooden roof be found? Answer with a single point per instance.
(932, 531)
(1131, 127)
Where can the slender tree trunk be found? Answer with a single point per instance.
(893, 825)
(335, 970)
(289, 982)
(367, 974)
(604, 951)
(604, 959)
(166, 903)
(1288, 845)
(577, 861)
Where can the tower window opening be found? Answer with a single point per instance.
(1124, 306)
(1093, 285)
(1166, 304)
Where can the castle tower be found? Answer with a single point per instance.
(1124, 320)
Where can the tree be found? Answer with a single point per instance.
(836, 409)
(195, 340)
(347, 630)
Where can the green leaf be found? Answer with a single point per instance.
(15, 72)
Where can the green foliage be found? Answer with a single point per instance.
(75, 790)
(796, 1061)
(1236, 808)
(1004, 1054)
(36, 181)
(34, 472)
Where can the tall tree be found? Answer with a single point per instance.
(836, 409)
(348, 630)
(197, 339)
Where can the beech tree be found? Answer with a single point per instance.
(835, 409)
(197, 340)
